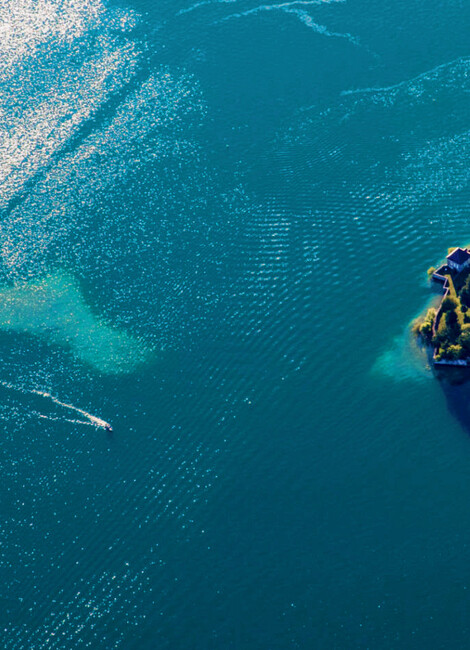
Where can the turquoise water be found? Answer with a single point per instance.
(216, 223)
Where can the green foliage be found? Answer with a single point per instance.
(465, 293)
(425, 331)
(423, 326)
(451, 339)
(426, 327)
(464, 338)
(451, 318)
(454, 352)
(449, 304)
(450, 327)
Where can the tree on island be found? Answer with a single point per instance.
(453, 352)
(423, 326)
(464, 338)
(450, 335)
(452, 325)
(449, 304)
(465, 293)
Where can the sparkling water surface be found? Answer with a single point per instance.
(217, 218)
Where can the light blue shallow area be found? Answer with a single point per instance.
(216, 222)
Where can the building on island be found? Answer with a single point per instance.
(459, 259)
(446, 327)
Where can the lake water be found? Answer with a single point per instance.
(217, 218)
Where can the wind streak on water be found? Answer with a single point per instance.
(267, 7)
(425, 76)
(293, 8)
(308, 21)
(78, 204)
(41, 109)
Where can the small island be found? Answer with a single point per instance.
(446, 328)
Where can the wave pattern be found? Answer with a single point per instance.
(104, 173)
(297, 8)
(85, 123)
(361, 217)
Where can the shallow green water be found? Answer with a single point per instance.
(216, 223)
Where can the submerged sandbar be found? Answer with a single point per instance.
(54, 309)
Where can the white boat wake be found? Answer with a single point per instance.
(41, 416)
(90, 420)
(93, 420)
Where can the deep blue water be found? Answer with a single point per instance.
(216, 222)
